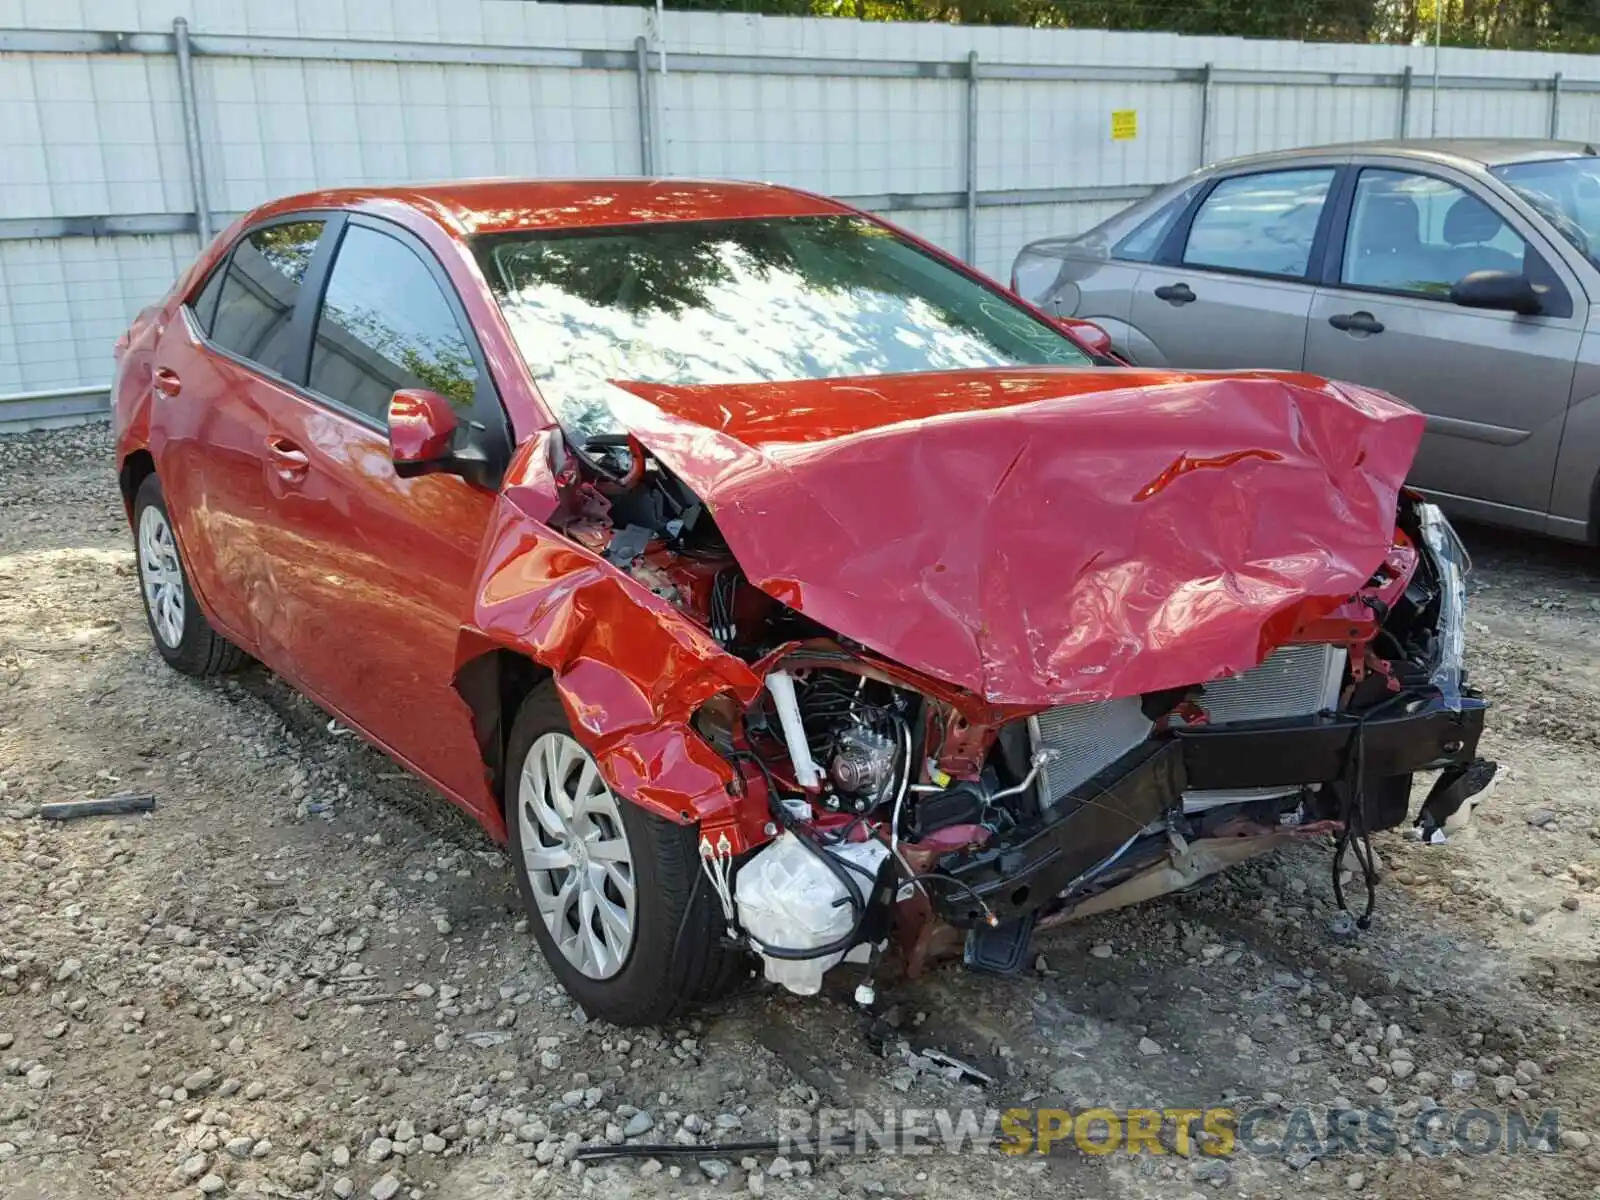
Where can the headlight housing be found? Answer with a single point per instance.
(1451, 563)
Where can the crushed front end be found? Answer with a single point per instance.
(991, 822)
(932, 659)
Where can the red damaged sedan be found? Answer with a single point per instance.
(781, 591)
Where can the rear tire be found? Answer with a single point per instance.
(565, 826)
(180, 630)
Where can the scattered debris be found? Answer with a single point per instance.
(963, 1070)
(69, 810)
(690, 1149)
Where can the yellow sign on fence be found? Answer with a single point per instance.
(1124, 124)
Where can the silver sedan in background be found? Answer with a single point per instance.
(1462, 276)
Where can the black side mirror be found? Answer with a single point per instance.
(1503, 291)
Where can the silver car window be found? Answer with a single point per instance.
(1145, 241)
(1264, 224)
(1421, 234)
(1566, 193)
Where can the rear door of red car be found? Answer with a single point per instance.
(377, 570)
(219, 369)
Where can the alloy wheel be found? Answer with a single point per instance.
(161, 576)
(576, 854)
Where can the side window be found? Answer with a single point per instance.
(205, 304)
(386, 325)
(1415, 233)
(1142, 244)
(256, 303)
(1262, 223)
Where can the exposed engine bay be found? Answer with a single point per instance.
(883, 813)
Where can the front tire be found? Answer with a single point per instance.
(609, 888)
(180, 630)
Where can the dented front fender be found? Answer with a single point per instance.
(630, 669)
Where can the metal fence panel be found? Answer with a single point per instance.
(840, 135)
(1479, 113)
(1050, 134)
(1252, 118)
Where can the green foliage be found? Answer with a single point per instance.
(448, 370)
(673, 267)
(440, 362)
(1565, 25)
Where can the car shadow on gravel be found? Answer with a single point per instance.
(1571, 566)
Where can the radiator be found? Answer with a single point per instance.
(1294, 681)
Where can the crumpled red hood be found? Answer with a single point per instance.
(1043, 536)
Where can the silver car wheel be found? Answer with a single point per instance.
(161, 576)
(576, 854)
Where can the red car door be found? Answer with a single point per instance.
(377, 570)
(218, 371)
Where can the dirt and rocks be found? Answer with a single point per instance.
(304, 975)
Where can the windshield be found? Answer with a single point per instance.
(744, 301)
(1566, 192)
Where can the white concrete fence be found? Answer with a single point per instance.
(130, 129)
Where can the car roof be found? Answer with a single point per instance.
(1478, 152)
(503, 205)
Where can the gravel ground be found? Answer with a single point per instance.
(304, 975)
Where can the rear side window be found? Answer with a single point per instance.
(385, 324)
(256, 304)
(205, 304)
(1144, 242)
(1263, 224)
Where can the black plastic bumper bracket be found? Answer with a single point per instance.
(999, 949)
(1031, 866)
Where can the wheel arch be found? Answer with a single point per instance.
(493, 686)
(135, 468)
(630, 669)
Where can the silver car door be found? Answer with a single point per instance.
(1238, 291)
(1494, 385)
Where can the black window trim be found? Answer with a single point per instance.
(331, 219)
(1334, 263)
(302, 325)
(487, 413)
(1176, 242)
